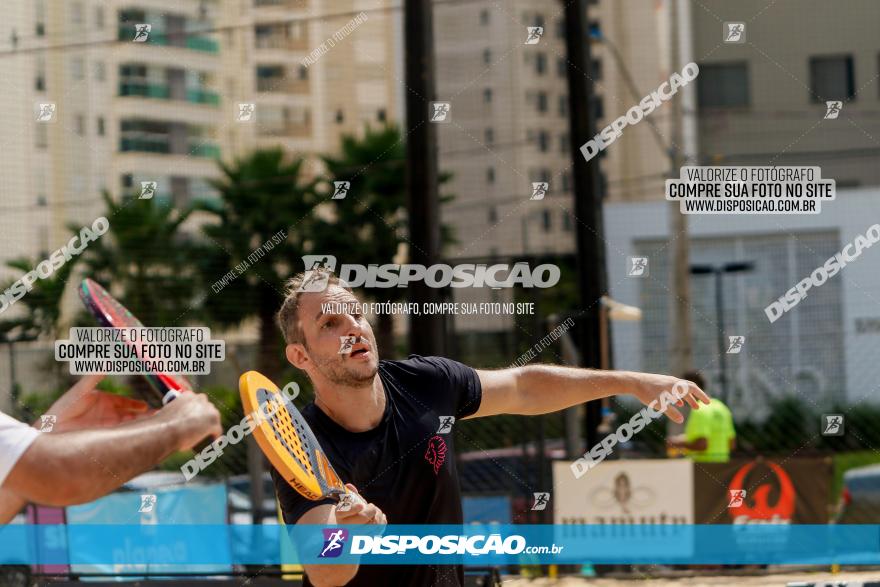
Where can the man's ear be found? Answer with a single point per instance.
(297, 355)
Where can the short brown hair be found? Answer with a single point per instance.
(287, 317)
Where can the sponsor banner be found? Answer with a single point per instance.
(166, 547)
(652, 491)
(762, 491)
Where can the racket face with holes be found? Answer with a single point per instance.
(287, 441)
(110, 313)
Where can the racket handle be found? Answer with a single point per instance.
(172, 395)
(348, 499)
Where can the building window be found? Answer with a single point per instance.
(487, 96)
(340, 117)
(489, 136)
(487, 56)
(541, 101)
(598, 107)
(381, 116)
(546, 220)
(561, 67)
(540, 63)
(563, 105)
(493, 215)
(100, 126)
(484, 17)
(303, 72)
(566, 181)
(490, 175)
(76, 13)
(560, 28)
(77, 68)
(564, 144)
(41, 135)
(40, 17)
(595, 29)
(566, 221)
(832, 78)
(595, 69)
(723, 85)
(40, 82)
(538, 20)
(543, 141)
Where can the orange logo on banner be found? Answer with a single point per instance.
(782, 511)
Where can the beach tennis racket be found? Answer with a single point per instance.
(290, 445)
(110, 313)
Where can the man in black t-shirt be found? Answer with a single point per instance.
(386, 426)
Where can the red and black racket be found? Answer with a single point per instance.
(110, 313)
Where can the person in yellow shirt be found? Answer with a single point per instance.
(709, 435)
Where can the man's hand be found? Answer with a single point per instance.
(650, 386)
(361, 513)
(84, 407)
(193, 418)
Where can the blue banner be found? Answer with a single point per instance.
(473, 544)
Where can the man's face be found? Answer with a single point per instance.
(323, 331)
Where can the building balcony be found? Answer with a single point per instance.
(162, 145)
(282, 85)
(288, 4)
(286, 129)
(163, 92)
(192, 41)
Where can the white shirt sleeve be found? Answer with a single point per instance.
(15, 438)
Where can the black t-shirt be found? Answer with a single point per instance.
(404, 465)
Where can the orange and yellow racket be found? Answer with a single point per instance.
(290, 445)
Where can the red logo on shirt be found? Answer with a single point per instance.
(436, 453)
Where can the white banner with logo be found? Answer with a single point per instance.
(651, 499)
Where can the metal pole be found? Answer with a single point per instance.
(426, 332)
(722, 350)
(587, 198)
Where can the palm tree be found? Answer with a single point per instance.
(370, 224)
(145, 259)
(262, 196)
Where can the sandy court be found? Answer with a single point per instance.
(780, 579)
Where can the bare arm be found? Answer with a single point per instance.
(75, 467)
(541, 389)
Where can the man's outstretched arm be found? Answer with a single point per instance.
(66, 468)
(541, 389)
